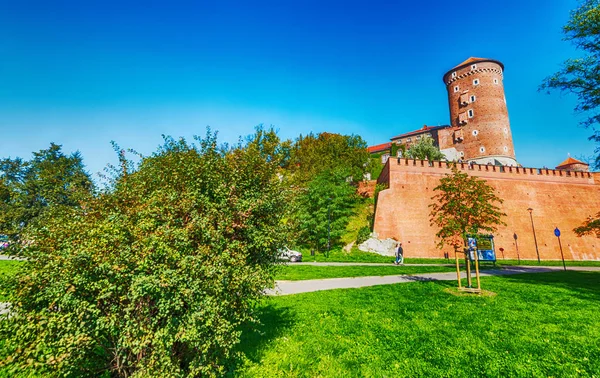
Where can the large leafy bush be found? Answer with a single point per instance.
(154, 276)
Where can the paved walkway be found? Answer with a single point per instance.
(362, 264)
(297, 287)
(4, 257)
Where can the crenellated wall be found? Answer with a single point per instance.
(562, 199)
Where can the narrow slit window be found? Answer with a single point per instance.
(473, 98)
(473, 67)
(456, 89)
(476, 82)
(471, 113)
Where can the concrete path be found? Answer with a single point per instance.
(296, 287)
(361, 264)
(4, 257)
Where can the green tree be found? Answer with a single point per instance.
(313, 154)
(154, 276)
(29, 188)
(581, 76)
(324, 208)
(464, 205)
(425, 149)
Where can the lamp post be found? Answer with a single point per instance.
(534, 237)
(328, 225)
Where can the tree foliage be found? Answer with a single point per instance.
(464, 205)
(323, 169)
(324, 208)
(425, 148)
(29, 188)
(590, 227)
(313, 154)
(153, 276)
(581, 76)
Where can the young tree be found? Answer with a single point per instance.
(154, 276)
(581, 76)
(464, 205)
(425, 149)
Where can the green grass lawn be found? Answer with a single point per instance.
(7, 268)
(537, 325)
(307, 272)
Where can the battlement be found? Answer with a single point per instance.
(485, 171)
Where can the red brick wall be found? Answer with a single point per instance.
(366, 188)
(490, 121)
(559, 198)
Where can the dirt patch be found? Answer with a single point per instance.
(454, 291)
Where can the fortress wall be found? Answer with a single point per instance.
(563, 199)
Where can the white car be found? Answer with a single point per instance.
(290, 255)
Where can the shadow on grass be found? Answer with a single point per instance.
(585, 285)
(255, 337)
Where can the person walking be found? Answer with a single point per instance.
(399, 255)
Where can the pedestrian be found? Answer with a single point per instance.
(399, 255)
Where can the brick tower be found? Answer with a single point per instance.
(478, 114)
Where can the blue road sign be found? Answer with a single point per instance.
(557, 232)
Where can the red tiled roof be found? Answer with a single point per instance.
(470, 60)
(379, 147)
(422, 130)
(570, 161)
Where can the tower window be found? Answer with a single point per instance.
(473, 98)
(473, 67)
(471, 113)
(505, 130)
(476, 82)
(475, 132)
(456, 89)
(495, 81)
(482, 149)
(461, 154)
(505, 149)
(453, 75)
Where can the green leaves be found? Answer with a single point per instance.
(425, 149)
(464, 205)
(29, 188)
(154, 276)
(581, 76)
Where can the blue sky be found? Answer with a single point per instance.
(83, 73)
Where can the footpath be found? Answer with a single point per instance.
(297, 287)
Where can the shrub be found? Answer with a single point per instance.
(363, 234)
(154, 276)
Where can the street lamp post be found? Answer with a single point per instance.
(534, 237)
(328, 226)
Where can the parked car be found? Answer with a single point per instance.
(290, 255)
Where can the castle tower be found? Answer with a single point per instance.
(478, 113)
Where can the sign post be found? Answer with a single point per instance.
(557, 233)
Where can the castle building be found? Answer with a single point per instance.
(478, 114)
(479, 129)
(480, 140)
(573, 165)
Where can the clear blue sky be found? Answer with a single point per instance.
(83, 73)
